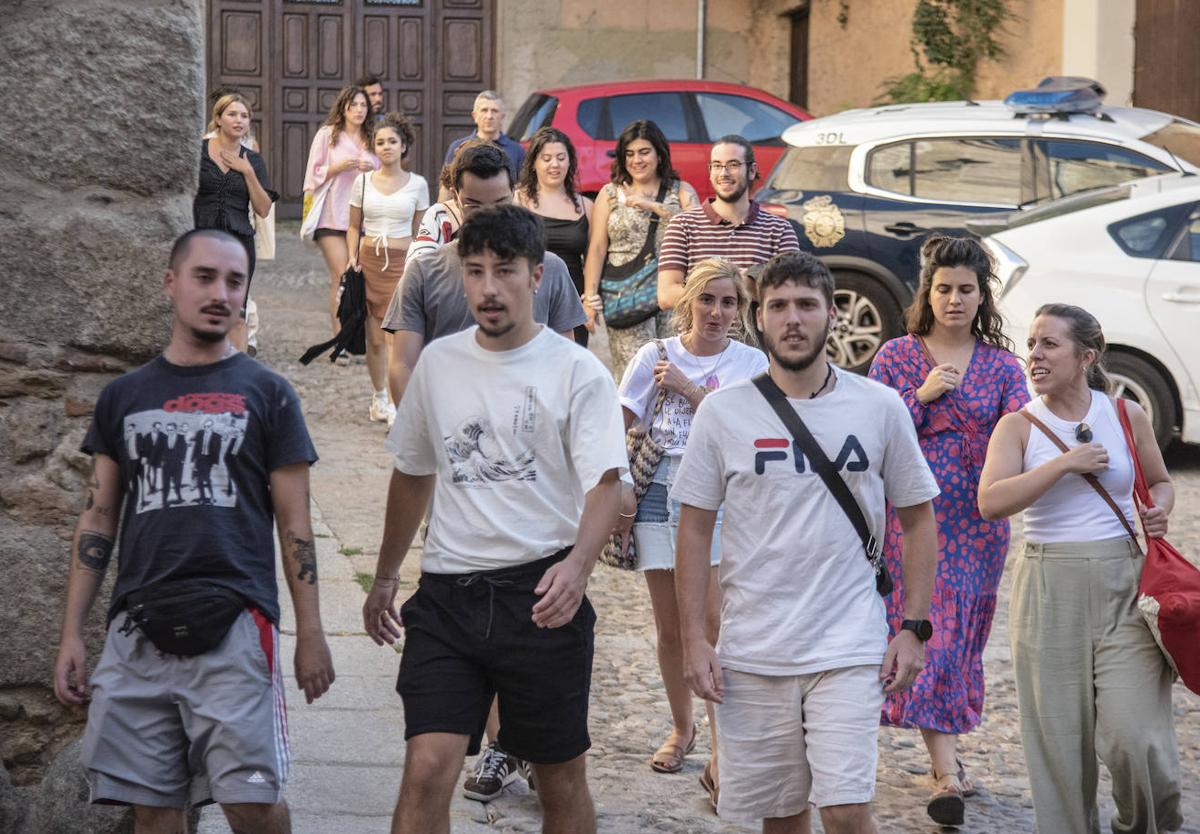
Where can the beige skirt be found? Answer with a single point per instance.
(381, 280)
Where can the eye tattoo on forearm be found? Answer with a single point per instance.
(304, 551)
(95, 551)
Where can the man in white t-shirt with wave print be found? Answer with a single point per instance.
(517, 434)
(804, 657)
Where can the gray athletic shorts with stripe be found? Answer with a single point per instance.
(170, 731)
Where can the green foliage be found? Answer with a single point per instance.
(953, 36)
(366, 580)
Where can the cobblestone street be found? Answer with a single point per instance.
(348, 748)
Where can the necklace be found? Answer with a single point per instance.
(695, 360)
(828, 376)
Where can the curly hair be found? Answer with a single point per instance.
(336, 120)
(528, 182)
(702, 274)
(401, 125)
(945, 251)
(648, 130)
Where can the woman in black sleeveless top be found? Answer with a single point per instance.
(547, 188)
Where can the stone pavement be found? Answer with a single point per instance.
(348, 747)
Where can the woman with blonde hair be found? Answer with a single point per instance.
(387, 206)
(1091, 680)
(341, 150)
(682, 370)
(233, 179)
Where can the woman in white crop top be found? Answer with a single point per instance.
(386, 206)
(1089, 674)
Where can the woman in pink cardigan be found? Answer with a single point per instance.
(340, 151)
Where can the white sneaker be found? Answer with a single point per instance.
(382, 411)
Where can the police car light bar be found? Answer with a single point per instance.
(1058, 95)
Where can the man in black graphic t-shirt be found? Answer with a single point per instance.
(157, 738)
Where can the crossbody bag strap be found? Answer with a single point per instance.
(662, 392)
(1092, 480)
(820, 462)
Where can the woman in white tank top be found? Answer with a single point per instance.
(1089, 674)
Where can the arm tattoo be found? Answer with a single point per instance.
(95, 551)
(304, 551)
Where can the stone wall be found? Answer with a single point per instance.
(97, 166)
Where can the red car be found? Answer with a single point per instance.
(692, 114)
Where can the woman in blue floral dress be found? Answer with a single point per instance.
(958, 376)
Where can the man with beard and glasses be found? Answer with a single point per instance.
(517, 435)
(175, 721)
(803, 659)
(728, 225)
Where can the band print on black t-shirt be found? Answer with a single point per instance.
(181, 454)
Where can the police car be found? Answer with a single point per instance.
(1130, 255)
(864, 187)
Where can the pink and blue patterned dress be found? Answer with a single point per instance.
(953, 431)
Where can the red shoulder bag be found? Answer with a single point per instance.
(1169, 591)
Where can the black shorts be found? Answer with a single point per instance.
(469, 637)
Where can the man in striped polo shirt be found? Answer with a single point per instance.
(729, 225)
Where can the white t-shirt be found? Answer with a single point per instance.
(389, 215)
(516, 438)
(671, 427)
(799, 592)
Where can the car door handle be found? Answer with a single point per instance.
(1182, 298)
(904, 229)
(611, 153)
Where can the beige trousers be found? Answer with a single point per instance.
(1092, 681)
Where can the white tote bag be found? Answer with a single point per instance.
(309, 227)
(264, 235)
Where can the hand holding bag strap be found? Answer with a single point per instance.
(662, 392)
(1092, 480)
(820, 464)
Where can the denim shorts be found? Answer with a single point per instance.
(657, 523)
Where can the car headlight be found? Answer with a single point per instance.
(1009, 265)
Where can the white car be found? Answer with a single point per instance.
(1130, 255)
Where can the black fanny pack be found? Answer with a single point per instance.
(184, 617)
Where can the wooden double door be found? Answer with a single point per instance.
(291, 57)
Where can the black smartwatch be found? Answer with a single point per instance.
(922, 628)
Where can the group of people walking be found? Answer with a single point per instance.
(822, 551)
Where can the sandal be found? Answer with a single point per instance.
(706, 782)
(966, 780)
(946, 806)
(669, 758)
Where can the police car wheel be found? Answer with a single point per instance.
(1137, 380)
(867, 317)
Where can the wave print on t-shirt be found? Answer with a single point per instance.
(477, 460)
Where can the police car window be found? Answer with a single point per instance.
(758, 122)
(1180, 138)
(890, 168)
(664, 109)
(968, 170)
(819, 168)
(1079, 166)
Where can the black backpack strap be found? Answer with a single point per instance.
(823, 467)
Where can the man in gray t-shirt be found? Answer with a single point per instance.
(429, 300)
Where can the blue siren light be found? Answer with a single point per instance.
(1058, 95)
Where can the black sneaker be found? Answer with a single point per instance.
(493, 770)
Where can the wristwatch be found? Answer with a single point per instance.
(922, 628)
